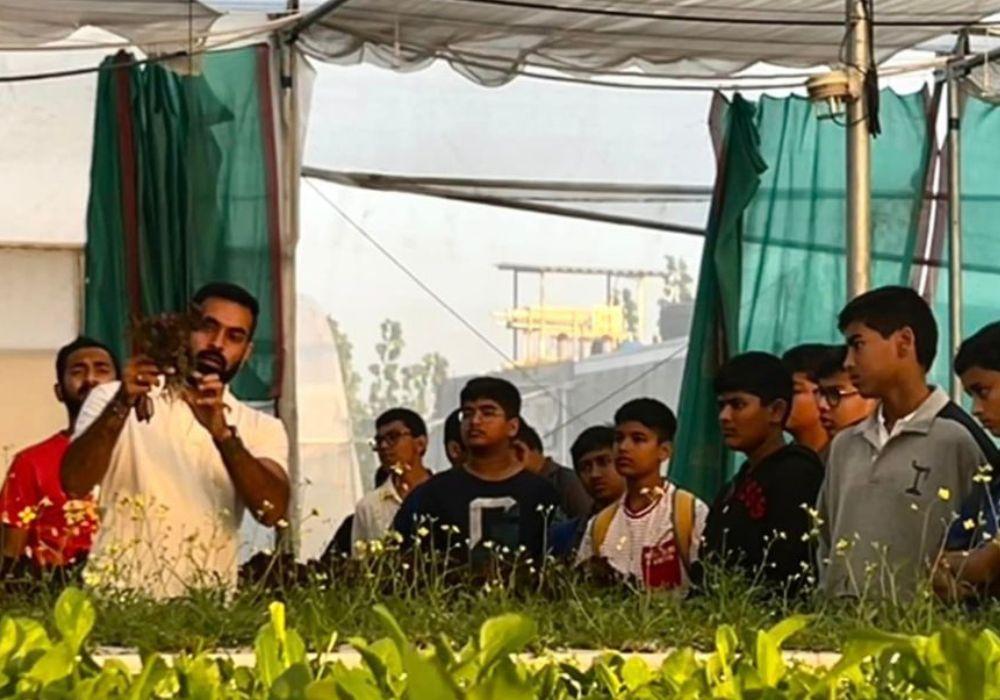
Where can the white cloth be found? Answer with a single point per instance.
(35, 22)
(491, 41)
(373, 515)
(170, 515)
(633, 537)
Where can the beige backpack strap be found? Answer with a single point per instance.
(602, 522)
(683, 516)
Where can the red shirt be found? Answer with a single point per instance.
(59, 528)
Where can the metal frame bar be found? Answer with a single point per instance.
(859, 176)
(407, 188)
(312, 17)
(955, 296)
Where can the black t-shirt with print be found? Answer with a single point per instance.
(750, 511)
(510, 513)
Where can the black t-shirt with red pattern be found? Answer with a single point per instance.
(762, 514)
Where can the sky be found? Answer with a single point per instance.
(435, 122)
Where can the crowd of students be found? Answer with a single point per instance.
(884, 486)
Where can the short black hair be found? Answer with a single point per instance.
(808, 358)
(530, 437)
(982, 349)
(453, 427)
(596, 437)
(833, 364)
(411, 419)
(494, 389)
(889, 309)
(229, 292)
(651, 413)
(759, 374)
(81, 343)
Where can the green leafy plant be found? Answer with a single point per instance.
(951, 663)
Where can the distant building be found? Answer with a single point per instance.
(563, 398)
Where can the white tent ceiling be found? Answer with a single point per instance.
(491, 40)
(34, 22)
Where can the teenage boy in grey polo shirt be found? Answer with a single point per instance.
(895, 480)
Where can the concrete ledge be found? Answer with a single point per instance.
(583, 658)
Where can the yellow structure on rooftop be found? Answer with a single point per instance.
(545, 333)
(558, 333)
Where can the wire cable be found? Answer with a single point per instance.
(716, 19)
(631, 382)
(69, 72)
(430, 292)
(69, 44)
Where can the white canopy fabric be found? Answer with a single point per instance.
(26, 23)
(490, 41)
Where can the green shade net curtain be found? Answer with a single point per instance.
(183, 192)
(773, 272)
(714, 326)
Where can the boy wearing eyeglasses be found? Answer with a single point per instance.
(841, 405)
(492, 504)
(804, 422)
(400, 443)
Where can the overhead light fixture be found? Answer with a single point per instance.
(831, 91)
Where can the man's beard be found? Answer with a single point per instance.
(214, 362)
(73, 405)
(73, 408)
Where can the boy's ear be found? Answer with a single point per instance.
(780, 410)
(906, 341)
(666, 451)
(513, 427)
(421, 443)
(60, 396)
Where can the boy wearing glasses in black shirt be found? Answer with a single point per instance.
(492, 503)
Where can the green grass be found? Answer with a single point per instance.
(569, 610)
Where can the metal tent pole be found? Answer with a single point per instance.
(954, 222)
(314, 15)
(858, 156)
(288, 402)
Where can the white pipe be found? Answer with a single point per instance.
(858, 157)
(954, 223)
(288, 402)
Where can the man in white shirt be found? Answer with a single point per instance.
(176, 470)
(401, 443)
